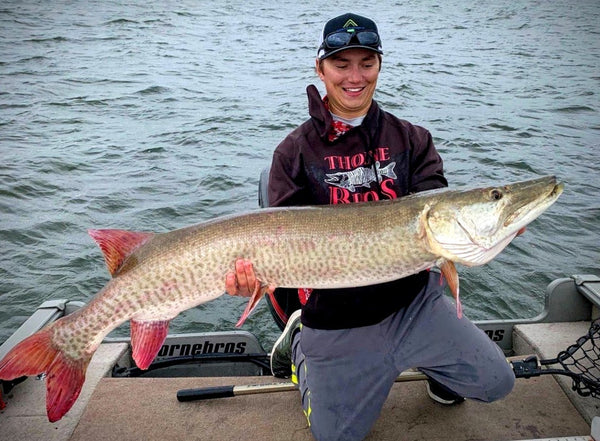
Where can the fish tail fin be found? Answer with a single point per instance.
(63, 384)
(65, 376)
(388, 171)
(31, 356)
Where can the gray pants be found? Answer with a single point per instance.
(345, 375)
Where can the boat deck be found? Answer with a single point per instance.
(121, 409)
(146, 408)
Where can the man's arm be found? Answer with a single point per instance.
(427, 167)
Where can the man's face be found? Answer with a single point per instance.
(350, 78)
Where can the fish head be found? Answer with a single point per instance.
(471, 227)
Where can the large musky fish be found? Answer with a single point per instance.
(156, 276)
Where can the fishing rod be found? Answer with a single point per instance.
(206, 393)
(580, 361)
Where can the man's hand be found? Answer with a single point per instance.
(243, 281)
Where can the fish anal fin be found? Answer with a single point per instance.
(117, 245)
(147, 338)
(451, 275)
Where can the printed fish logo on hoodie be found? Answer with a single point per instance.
(361, 176)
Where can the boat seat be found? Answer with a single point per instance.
(589, 286)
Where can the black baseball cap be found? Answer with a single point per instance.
(348, 31)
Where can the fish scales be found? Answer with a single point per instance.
(301, 247)
(156, 276)
(175, 271)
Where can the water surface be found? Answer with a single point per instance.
(156, 115)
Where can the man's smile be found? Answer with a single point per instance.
(353, 90)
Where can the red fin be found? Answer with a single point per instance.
(258, 293)
(31, 356)
(117, 245)
(449, 272)
(459, 311)
(2, 403)
(63, 384)
(147, 338)
(36, 355)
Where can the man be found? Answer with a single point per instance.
(346, 346)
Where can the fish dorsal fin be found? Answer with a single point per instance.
(117, 245)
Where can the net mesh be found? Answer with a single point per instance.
(583, 360)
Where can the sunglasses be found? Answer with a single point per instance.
(343, 37)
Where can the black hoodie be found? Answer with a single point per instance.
(383, 158)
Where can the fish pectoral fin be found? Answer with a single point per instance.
(257, 294)
(451, 275)
(147, 337)
(117, 245)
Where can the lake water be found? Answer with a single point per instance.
(156, 115)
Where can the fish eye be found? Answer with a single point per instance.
(495, 194)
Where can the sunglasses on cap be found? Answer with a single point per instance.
(343, 37)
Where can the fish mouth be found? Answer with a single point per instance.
(530, 210)
(476, 245)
